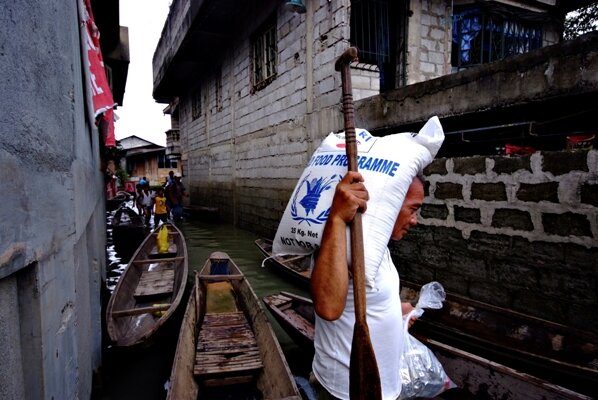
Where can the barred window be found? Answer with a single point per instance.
(379, 31)
(196, 103)
(263, 53)
(481, 37)
(165, 162)
(370, 29)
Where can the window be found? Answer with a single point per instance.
(370, 30)
(164, 162)
(263, 53)
(481, 36)
(379, 31)
(196, 104)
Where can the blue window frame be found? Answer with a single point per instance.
(481, 37)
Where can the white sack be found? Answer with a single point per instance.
(388, 165)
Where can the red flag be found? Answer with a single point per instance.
(108, 128)
(98, 88)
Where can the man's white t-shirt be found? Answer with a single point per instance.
(385, 323)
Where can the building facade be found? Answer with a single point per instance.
(143, 158)
(253, 91)
(53, 231)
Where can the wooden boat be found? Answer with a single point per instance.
(296, 267)
(554, 352)
(476, 376)
(226, 342)
(149, 290)
(128, 230)
(116, 201)
(295, 314)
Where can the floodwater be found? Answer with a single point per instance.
(143, 373)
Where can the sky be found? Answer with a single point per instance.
(140, 115)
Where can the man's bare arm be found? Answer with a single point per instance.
(330, 277)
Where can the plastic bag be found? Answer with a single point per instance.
(162, 239)
(422, 375)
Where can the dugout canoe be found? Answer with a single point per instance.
(298, 268)
(116, 201)
(295, 315)
(550, 351)
(128, 231)
(149, 290)
(476, 376)
(226, 344)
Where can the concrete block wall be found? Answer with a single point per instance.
(516, 232)
(228, 152)
(228, 148)
(429, 48)
(429, 40)
(365, 80)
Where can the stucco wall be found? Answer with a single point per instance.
(516, 232)
(52, 236)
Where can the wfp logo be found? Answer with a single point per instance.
(307, 197)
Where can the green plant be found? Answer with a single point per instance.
(122, 175)
(581, 21)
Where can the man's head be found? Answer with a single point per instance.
(408, 214)
(171, 173)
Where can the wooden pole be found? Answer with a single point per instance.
(364, 376)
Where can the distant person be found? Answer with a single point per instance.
(176, 193)
(160, 207)
(170, 178)
(147, 204)
(139, 198)
(143, 181)
(168, 187)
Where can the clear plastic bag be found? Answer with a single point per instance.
(422, 375)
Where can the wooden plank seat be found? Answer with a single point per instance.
(226, 345)
(141, 310)
(278, 300)
(170, 234)
(161, 260)
(155, 282)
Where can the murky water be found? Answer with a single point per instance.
(142, 373)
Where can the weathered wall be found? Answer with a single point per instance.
(52, 236)
(549, 73)
(245, 155)
(246, 150)
(516, 232)
(429, 48)
(429, 40)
